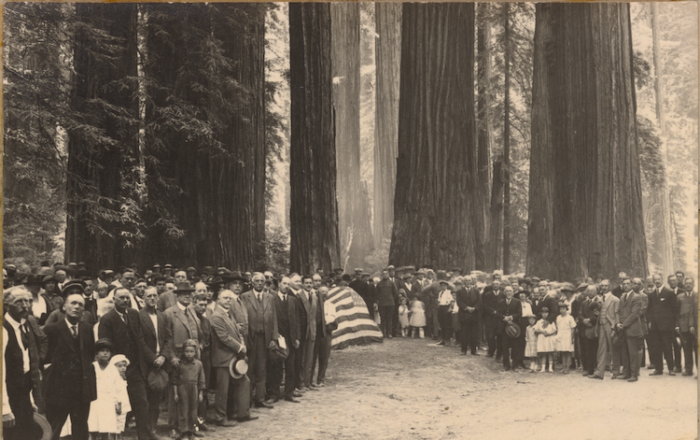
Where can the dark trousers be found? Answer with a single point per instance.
(386, 314)
(663, 343)
(589, 351)
(631, 354)
(275, 371)
(676, 353)
(322, 353)
(510, 352)
(21, 406)
(257, 358)
(153, 398)
(521, 346)
(241, 393)
(78, 411)
(136, 387)
(469, 335)
(395, 330)
(494, 340)
(206, 364)
(445, 318)
(690, 350)
(299, 363)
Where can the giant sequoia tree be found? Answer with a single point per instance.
(314, 208)
(436, 183)
(585, 215)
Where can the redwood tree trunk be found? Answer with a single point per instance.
(436, 182)
(585, 213)
(353, 226)
(388, 60)
(506, 138)
(494, 255)
(312, 168)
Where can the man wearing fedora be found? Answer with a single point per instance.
(509, 312)
(25, 349)
(262, 333)
(228, 345)
(69, 381)
(287, 308)
(42, 306)
(122, 326)
(469, 303)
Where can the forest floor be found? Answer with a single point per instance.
(412, 389)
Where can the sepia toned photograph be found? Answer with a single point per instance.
(350, 220)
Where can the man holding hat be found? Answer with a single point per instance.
(469, 303)
(228, 345)
(509, 313)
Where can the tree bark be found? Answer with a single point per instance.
(506, 138)
(585, 212)
(314, 209)
(97, 169)
(436, 182)
(388, 60)
(354, 229)
(494, 256)
(483, 131)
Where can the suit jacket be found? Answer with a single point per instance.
(468, 298)
(514, 309)
(361, 288)
(630, 314)
(288, 318)
(226, 340)
(687, 311)
(65, 380)
(490, 305)
(166, 300)
(113, 328)
(308, 308)
(149, 334)
(387, 292)
(38, 350)
(181, 329)
(239, 314)
(267, 312)
(662, 311)
(609, 312)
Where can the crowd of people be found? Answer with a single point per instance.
(537, 325)
(92, 353)
(206, 346)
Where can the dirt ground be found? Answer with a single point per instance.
(411, 389)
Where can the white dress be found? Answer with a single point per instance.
(417, 314)
(111, 389)
(546, 342)
(565, 331)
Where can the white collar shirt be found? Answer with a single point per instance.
(18, 334)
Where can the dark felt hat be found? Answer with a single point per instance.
(34, 279)
(184, 287)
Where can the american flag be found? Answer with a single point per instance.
(355, 326)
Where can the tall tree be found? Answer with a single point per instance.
(436, 182)
(353, 222)
(314, 208)
(388, 59)
(585, 215)
(483, 38)
(102, 216)
(506, 138)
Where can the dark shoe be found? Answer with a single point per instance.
(273, 400)
(687, 373)
(651, 367)
(475, 354)
(677, 370)
(656, 373)
(313, 385)
(263, 405)
(225, 424)
(291, 399)
(198, 434)
(321, 385)
(632, 379)
(671, 373)
(593, 376)
(626, 377)
(489, 355)
(297, 393)
(247, 418)
(464, 353)
(313, 388)
(441, 343)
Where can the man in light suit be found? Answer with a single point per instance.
(184, 325)
(662, 315)
(632, 340)
(262, 333)
(227, 344)
(308, 303)
(688, 323)
(607, 321)
(156, 335)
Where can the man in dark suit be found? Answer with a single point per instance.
(325, 324)
(200, 308)
(677, 290)
(688, 323)
(491, 297)
(228, 343)
(26, 347)
(362, 289)
(156, 336)
(122, 326)
(469, 303)
(70, 380)
(509, 310)
(287, 308)
(308, 303)
(386, 299)
(661, 314)
(632, 336)
(262, 333)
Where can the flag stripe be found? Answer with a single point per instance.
(355, 326)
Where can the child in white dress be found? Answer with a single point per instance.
(531, 343)
(403, 316)
(565, 336)
(546, 341)
(120, 362)
(417, 320)
(112, 399)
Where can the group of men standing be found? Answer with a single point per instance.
(277, 328)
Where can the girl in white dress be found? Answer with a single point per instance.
(112, 400)
(403, 316)
(565, 336)
(531, 342)
(546, 341)
(417, 320)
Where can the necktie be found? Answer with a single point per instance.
(24, 336)
(74, 330)
(284, 297)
